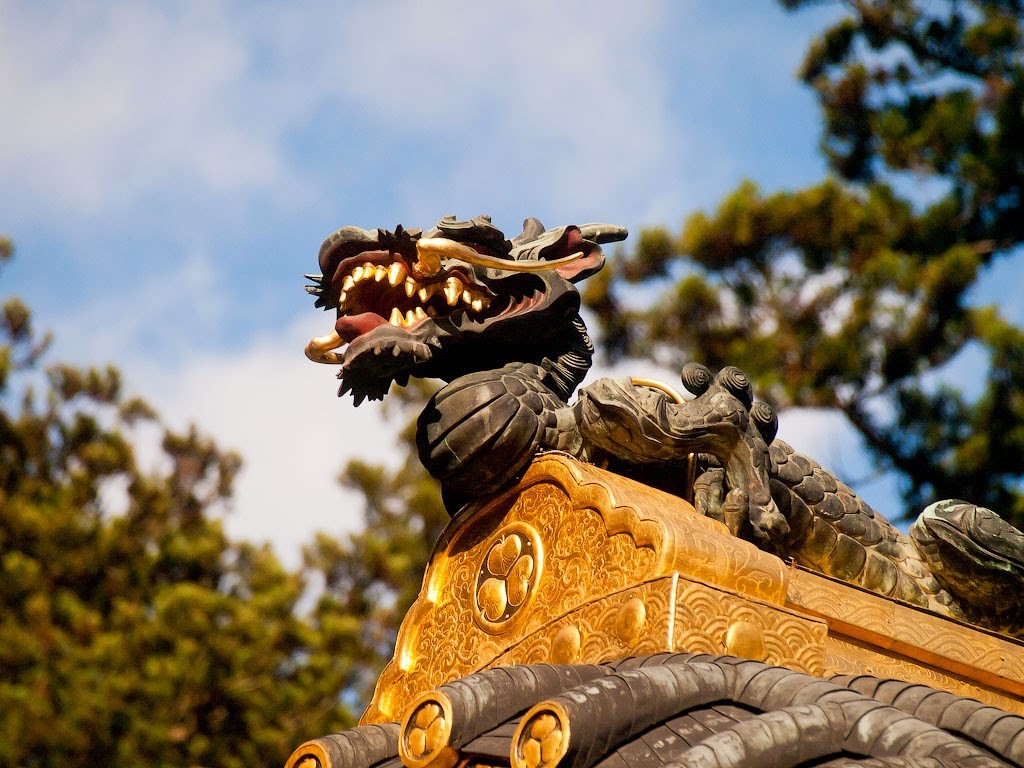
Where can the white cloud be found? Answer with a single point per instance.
(542, 103)
(531, 103)
(106, 102)
(280, 411)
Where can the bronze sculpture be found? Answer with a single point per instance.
(499, 321)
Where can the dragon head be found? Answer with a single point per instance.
(455, 299)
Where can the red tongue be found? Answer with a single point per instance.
(351, 326)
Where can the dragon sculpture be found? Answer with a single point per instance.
(499, 321)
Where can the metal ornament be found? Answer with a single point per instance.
(498, 320)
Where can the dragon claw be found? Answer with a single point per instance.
(769, 526)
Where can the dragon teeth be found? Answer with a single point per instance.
(397, 273)
(420, 314)
(379, 273)
(410, 317)
(342, 298)
(396, 317)
(452, 290)
(466, 297)
(477, 305)
(432, 289)
(349, 283)
(365, 272)
(410, 287)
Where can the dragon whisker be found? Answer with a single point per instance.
(431, 251)
(320, 349)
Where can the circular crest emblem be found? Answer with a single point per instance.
(507, 576)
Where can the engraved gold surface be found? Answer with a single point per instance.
(685, 541)
(426, 731)
(542, 737)
(910, 632)
(700, 620)
(577, 565)
(630, 621)
(567, 534)
(507, 577)
(846, 656)
(597, 625)
(704, 616)
(443, 637)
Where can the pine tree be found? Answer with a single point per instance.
(858, 293)
(377, 572)
(132, 630)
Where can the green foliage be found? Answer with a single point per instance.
(850, 295)
(144, 636)
(377, 572)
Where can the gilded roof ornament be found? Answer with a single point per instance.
(634, 576)
(498, 320)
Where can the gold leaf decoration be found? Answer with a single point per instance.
(519, 580)
(492, 599)
(503, 554)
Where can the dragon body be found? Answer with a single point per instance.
(499, 321)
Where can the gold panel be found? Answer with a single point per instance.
(684, 541)
(909, 632)
(507, 578)
(679, 615)
(846, 656)
(706, 618)
(598, 625)
(568, 534)
(578, 565)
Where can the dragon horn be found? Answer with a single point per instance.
(431, 251)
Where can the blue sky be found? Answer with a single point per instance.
(170, 170)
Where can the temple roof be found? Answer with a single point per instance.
(584, 620)
(678, 709)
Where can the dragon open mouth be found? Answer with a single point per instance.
(370, 287)
(375, 289)
(410, 303)
(374, 292)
